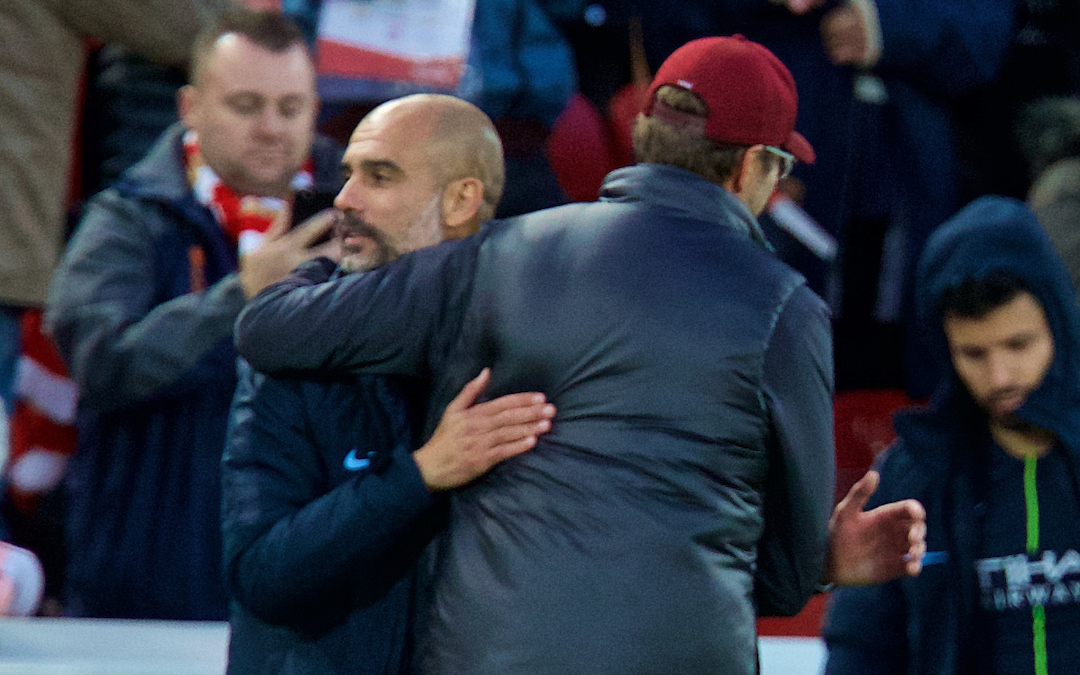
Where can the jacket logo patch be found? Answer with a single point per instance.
(354, 463)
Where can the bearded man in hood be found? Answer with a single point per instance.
(994, 458)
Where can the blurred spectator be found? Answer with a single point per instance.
(520, 72)
(1049, 134)
(993, 457)
(142, 310)
(880, 113)
(1043, 61)
(40, 70)
(42, 441)
(40, 67)
(877, 80)
(130, 100)
(527, 77)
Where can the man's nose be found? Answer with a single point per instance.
(271, 121)
(350, 197)
(1000, 371)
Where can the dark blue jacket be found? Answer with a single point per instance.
(156, 371)
(324, 516)
(689, 469)
(924, 625)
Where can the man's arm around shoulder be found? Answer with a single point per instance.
(377, 322)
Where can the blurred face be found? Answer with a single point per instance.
(1002, 357)
(392, 199)
(254, 111)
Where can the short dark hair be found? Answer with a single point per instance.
(975, 298)
(269, 29)
(657, 142)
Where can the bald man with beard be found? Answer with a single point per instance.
(326, 507)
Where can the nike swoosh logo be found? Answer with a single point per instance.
(354, 463)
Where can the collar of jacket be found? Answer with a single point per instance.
(684, 193)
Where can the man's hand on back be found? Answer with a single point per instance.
(282, 250)
(872, 547)
(470, 439)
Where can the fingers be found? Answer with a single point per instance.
(281, 223)
(798, 7)
(467, 396)
(915, 509)
(514, 408)
(505, 451)
(331, 249)
(916, 537)
(913, 559)
(859, 494)
(512, 433)
(314, 228)
(840, 31)
(906, 536)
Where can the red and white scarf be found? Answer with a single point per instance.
(244, 218)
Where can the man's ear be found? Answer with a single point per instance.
(187, 105)
(461, 202)
(743, 173)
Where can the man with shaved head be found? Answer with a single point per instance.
(326, 506)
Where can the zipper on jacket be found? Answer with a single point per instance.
(1038, 612)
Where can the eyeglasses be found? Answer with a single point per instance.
(787, 157)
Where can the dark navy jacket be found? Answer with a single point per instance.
(692, 375)
(324, 515)
(924, 625)
(156, 371)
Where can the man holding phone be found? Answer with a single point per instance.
(142, 309)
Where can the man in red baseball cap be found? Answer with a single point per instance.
(686, 483)
(724, 107)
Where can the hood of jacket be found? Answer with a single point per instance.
(998, 234)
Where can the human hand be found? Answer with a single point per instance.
(282, 249)
(872, 547)
(799, 7)
(845, 34)
(470, 439)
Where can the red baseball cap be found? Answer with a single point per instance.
(750, 94)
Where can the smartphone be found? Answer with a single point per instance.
(307, 203)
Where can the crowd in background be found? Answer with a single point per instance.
(913, 109)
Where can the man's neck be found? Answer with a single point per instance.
(1023, 442)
